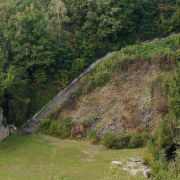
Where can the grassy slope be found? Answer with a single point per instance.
(125, 88)
(43, 157)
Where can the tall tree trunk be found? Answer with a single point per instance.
(59, 27)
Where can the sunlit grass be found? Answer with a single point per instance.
(37, 157)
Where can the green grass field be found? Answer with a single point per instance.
(38, 157)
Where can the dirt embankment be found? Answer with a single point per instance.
(130, 102)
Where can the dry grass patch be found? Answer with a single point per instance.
(133, 96)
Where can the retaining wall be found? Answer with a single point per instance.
(4, 131)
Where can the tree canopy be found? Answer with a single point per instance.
(49, 42)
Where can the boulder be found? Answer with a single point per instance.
(116, 162)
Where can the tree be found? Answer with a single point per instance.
(6, 80)
(58, 14)
(31, 47)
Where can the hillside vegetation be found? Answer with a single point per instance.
(131, 99)
(46, 43)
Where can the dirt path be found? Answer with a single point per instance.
(34, 122)
(158, 39)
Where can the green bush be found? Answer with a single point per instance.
(64, 128)
(48, 126)
(63, 131)
(125, 138)
(66, 122)
(45, 124)
(77, 67)
(92, 136)
(78, 137)
(171, 87)
(150, 153)
(143, 136)
(108, 139)
(134, 142)
(158, 170)
(85, 122)
(51, 127)
(102, 78)
(117, 144)
(164, 132)
(52, 114)
(166, 170)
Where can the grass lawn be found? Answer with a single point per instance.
(37, 157)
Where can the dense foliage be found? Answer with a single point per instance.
(45, 44)
(124, 140)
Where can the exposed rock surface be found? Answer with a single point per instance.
(134, 159)
(134, 167)
(116, 162)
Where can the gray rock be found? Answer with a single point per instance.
(123, 169)
(116, 162)
(144, 166)
(24, 133)
(134, 159)
(145, 172)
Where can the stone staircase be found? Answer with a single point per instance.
(35, 121)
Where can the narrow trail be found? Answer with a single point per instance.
(35, 121)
